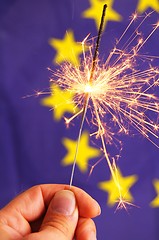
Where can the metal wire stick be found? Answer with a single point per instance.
(87, 94)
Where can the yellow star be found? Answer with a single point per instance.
(96, 9)
(85, 152)
(143, 5)
(113, 194)
(155, 202)
(67, 49)
(61, 101)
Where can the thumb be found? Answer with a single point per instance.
(61, 218)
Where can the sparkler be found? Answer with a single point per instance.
(116, 89)
(88, 89)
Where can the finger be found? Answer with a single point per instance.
(60, 220)
(8, 233)
(86, 229)
(32, 204)
(4, 235)
(87, 206)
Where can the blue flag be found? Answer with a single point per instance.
(36, 144)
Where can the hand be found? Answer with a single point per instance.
(50, 212)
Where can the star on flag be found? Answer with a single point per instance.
(85, 152)
(94, 12)
(67, 49)
(155, 202)
(113, 193)
(143, 5)
(60, 101)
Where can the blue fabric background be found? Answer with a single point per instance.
(30, 140)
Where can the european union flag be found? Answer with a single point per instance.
(36, 147)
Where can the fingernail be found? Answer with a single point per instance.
(64, 202)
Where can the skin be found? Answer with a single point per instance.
(31, 216)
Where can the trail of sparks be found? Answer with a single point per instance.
(117, 90)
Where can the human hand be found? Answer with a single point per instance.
(50, 212)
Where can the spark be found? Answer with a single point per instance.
(36, 94)
(93, 166)
(123, 204)
(116, 92)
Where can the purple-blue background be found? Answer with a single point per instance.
(30, 139)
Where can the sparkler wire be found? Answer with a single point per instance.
(87, 94)
(79, 137)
